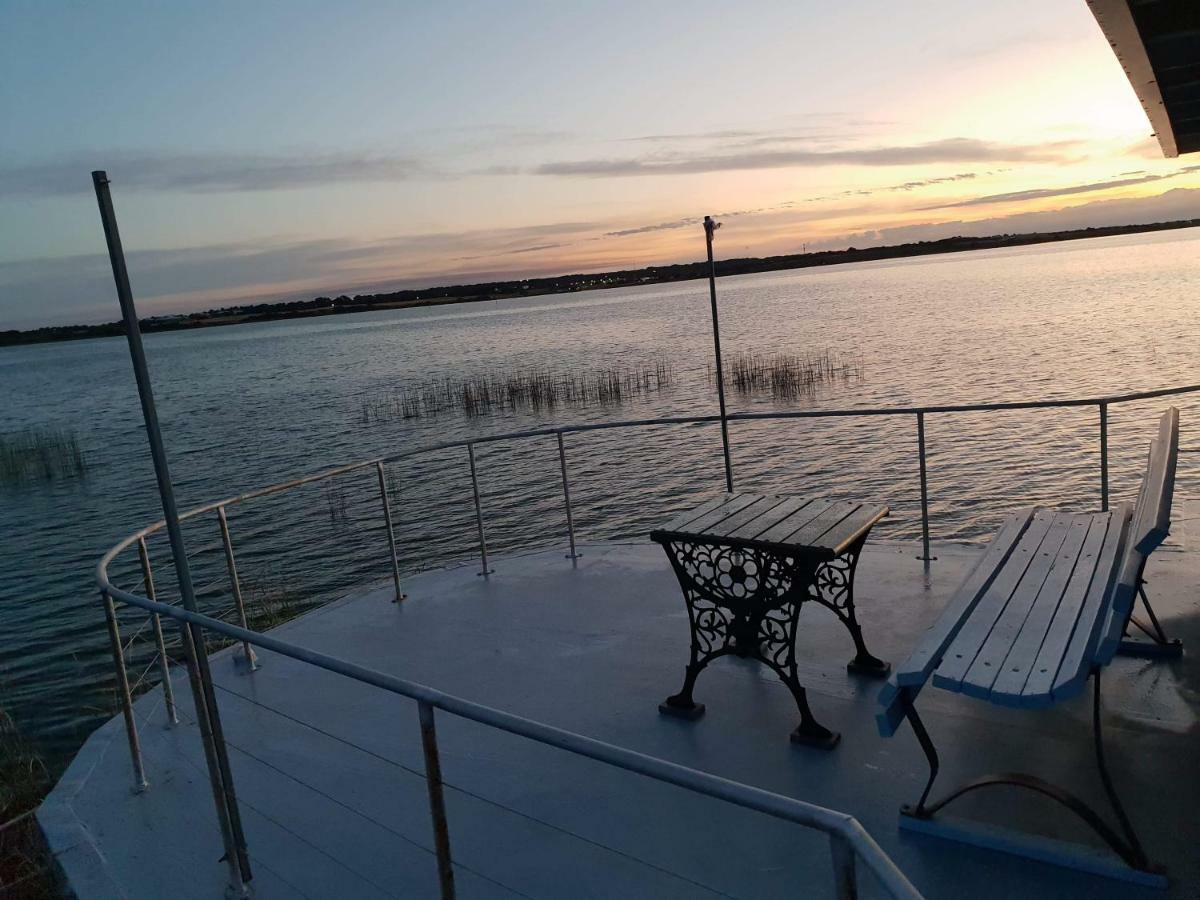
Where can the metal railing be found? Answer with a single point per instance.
(848, 839)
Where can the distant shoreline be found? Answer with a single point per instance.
(561, 284)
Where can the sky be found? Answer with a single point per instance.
(263, 151)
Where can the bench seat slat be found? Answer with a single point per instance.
(1043, 582)
(925, 656)
(1078, 553)
(961, 653)
(1100, 551)
(1077, 660)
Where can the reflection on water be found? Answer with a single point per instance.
(248, 405)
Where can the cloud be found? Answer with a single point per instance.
(200, 173)
(1040, 193)
(950, 150)
(1173, 205)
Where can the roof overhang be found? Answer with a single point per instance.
(1158, 44)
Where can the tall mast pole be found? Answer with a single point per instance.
(709, 227)
(206, 708)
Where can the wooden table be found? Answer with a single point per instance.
(747, 563)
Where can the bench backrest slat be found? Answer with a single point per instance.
(1149, 528)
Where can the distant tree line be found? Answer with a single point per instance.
(561, 284)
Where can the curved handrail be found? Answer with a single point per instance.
(849, 839)
(1111, 400)
(779, 806)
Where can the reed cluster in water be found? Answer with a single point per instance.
(40, 454)
(525, 389)
(787, 376)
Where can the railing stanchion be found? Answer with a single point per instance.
(845, 878)
(231, 563)
(485, 572)
(562, 464)
(1103, 456)
(437, 802)
(391, 535)
(163, 663)
(131, 732)
(924, 490)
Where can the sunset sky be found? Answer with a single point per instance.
(277, 151)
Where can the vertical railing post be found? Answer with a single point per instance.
(924, 489)
(478, 513)
(391, 535)
(845, 879)
(1104, 456)
(231, 563)
(219, 772)
(437, 802)
(163, 663)
(131, 732)
(562, 464)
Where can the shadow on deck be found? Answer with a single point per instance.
(328, 770)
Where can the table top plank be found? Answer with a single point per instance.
(774, 521)
(778, 533)
(718, 514)
(841, 536)
(810, 534)
(753, 530)
(749, 515)
(968, 642)
(696, 512)
(1043, 582)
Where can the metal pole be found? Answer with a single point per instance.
(709, 227)
(562, 464)
(924, 490)
(387, 520)
(1104, 456)
(206, 701)
(163, 662)
(131, 732)
(845, 879)
(238, 887)
(231, 564)
(437, 802)
(478, 513)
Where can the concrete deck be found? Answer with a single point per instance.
(327, 769)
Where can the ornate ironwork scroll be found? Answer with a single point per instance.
(746, 601)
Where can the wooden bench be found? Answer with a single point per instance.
(1045, 607)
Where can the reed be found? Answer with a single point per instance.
(528, 389)
(788, 376)
(40, 454)
(26, 866)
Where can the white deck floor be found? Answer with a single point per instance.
(335, 812)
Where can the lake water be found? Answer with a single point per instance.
(245, 406)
